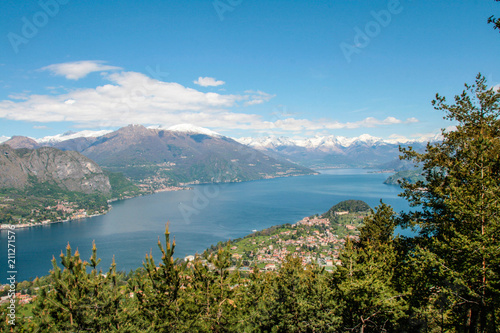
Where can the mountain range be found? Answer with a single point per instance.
(319, 152)
(186, 153)
(176, 155)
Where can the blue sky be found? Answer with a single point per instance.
(240, 67)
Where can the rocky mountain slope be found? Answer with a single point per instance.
(69, 170)
(184, 157)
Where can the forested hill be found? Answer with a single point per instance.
(351, 206)
(412, 176)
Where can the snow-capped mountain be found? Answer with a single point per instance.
(331, 141)
(267, 142)
(190, 129)
(338, 151)
(315, 152)
(184, 128)
(72, 135)
(181, 154)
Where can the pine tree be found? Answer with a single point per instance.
(458, 217)
(366, 281)
(216, 293)
(76, 300)
(157, 304)
(378, 227)
(494, 21)
(298, 299)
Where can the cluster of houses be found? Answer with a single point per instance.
(62, 212)
(68, 210)
(312, 244)
(21, 299)
(157, 184)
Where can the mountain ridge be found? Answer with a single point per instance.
(364, 151)
(183, 154)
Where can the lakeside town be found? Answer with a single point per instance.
(316, 240)
(65, 211)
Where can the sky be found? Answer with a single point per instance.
(239, 67)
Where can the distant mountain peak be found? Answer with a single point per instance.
(22, 142)
(368, 138)
(72, 135)
(192, 129)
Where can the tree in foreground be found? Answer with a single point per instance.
(299, 299)
(366, 281)
(157, 303)
(78, 301)
(459, 211)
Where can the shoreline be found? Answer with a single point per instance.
(181, 252)
(185, 186)
(5, 226)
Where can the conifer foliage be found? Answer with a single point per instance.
(77, 300)
(459, 205)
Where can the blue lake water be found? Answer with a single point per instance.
(198, 218)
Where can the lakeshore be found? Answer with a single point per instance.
(5, 226)
(81, 214)
(198, 218)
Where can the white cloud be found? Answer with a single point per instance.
(411, 120)
(258, 97)
(79, 69)
(131, 97)
(301, 125)
(208, 82)
(21, 96)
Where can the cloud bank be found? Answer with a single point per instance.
(131, 97)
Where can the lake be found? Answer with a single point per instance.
(198, 218)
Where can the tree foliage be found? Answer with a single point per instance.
(77, 300)
(458, 215)
(494, 21)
